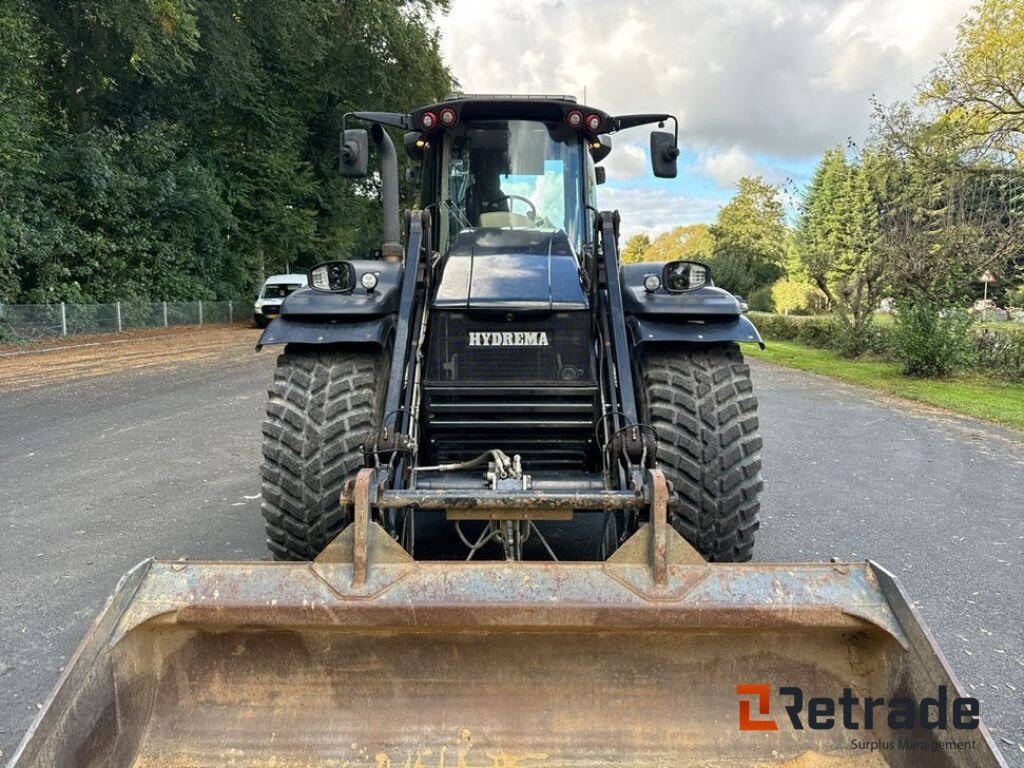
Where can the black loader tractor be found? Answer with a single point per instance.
(503, 365)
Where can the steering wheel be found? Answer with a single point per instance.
(533, 209)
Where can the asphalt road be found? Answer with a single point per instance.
(99, 473)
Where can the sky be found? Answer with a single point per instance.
(760, 87)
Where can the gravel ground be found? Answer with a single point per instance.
(133, 451)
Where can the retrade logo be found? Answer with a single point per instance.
(899, 713)
(763, 697)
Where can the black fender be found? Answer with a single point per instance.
(645, 331)
(374, 332)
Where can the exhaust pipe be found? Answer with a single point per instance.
(391, 248)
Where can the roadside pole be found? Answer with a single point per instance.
(118, 305)
(200, 311)
(63, 319)
(165, 314)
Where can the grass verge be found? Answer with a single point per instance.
(971, 395)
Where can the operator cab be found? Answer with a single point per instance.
(507, 175)
(510, 356)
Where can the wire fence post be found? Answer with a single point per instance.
(118, 307)
(63, 319)
(200, 311)
(231, 311)
(165, 314)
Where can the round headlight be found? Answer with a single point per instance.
(651, 283)
(368, 281)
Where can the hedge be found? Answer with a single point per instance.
(998, 352)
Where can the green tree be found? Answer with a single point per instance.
(750, 239)
(21, 125)
(839, 242)
(979, 85)
(946, 217)
(175, 148)
(635, 248)
(692, 241)
(818, 230)
(797, 297)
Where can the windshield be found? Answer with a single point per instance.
(512, 174)
(279, 290)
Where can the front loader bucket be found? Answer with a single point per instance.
(367, 658)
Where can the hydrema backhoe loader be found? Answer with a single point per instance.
(500, 367)
(509, 369)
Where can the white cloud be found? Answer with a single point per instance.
(746, 77)
(655, 209)
(627, 161)
(726, 167)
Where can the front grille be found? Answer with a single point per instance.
(471, 350)
(549, 427)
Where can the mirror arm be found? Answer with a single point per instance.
(390, 119)
(632, 121)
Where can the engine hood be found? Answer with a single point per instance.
(510, 269)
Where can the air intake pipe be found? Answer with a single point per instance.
(391, 247)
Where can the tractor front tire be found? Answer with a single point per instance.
(322, 406)
(701, 403)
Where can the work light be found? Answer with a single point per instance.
(685, 275)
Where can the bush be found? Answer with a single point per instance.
(990, 351)
(761, 300)
(1015, 297)
(850, 341)
(812, 331)
(817, 331)
(930, 342)
(1000, 353)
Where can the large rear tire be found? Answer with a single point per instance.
(321, 408)
(701, 402)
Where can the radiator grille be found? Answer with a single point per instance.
(471, 350)
(549, 427)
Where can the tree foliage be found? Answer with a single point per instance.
(691, 242)
(750, 239)
(173, 148)
(839, 240)
(798, 297)
(635, 248)
(979, 85)
(947, 216)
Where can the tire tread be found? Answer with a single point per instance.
(321, 406)
(701, 403)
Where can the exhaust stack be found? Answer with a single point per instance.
(390, 248)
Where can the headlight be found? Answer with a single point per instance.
(686, 275)
(368, 281)
(332, 276)
(651, 283)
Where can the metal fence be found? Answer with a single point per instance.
(33, 321)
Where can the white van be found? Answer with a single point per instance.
(274, 291)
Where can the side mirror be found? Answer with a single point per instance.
(601, 175)
(663, 154)
(600, 146)
(416, 144)
(354, 153)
